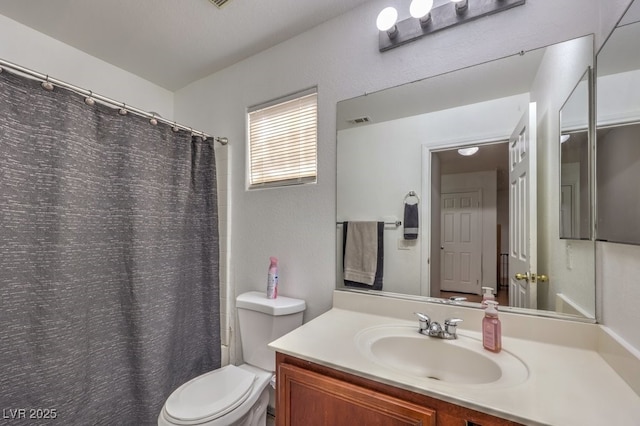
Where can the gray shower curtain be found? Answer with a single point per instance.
(109, 291)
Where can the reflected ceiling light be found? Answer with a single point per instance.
(387, 21)
(421, 10)
(468, 151)
(564, 138)
(425, 19)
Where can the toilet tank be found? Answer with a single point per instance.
(261, 321)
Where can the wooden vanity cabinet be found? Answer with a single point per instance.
(310, 394)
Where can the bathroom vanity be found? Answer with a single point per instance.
(364, 359)
(309, 391)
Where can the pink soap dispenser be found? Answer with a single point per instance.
(491, 328)
(272, 279)
(487, 295)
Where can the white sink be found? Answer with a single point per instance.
(401, 349)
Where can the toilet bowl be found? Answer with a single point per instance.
(237, 395)
(227, 396)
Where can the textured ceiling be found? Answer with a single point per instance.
(173, 42)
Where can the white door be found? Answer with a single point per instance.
(461, 242)
(522, 213)
(570, 200)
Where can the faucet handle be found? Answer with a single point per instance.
(451, 324)
(424, 321)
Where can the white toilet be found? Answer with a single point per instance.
(233, 395)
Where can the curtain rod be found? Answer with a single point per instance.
(127, 108)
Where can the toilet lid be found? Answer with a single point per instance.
(210, 395)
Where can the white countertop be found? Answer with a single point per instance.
(566, 385)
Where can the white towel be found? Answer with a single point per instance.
(361, 252)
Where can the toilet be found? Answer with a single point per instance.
(238, 395)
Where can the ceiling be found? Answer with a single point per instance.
(173, 42)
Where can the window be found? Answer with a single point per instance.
(283, 138)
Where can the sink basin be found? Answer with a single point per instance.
(401, 349)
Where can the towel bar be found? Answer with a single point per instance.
(396, 223)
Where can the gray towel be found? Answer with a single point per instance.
(377, 283)
(361, 252)
(410, 221)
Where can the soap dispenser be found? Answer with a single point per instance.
(491, 328)
(487, 295)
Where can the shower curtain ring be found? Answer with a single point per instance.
(123, 110)
(175, 127)
(46, 85)
(89, 99)
(153, 120)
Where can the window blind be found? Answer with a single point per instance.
(283, 142)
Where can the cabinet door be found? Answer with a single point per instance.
(306, 398)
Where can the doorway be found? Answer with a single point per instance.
(469, 198)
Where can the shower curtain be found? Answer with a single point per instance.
(109, 291)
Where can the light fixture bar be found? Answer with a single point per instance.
(442, 17)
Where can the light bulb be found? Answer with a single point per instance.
(387, 19)
(420, 8)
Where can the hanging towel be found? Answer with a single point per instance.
(410, 221)
(363, 248)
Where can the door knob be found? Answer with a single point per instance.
(521, 277)
(541, 278)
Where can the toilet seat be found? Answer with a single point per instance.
(209, 396)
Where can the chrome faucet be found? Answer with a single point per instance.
(434, 329)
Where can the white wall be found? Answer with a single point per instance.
(618, 95)
(609, 13)
(341, 57)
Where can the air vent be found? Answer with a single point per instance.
(219, 3)
(359, 120)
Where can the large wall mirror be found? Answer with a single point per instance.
(400, 152)
(618, 132)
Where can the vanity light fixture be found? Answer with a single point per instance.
(468, 151)
(425, 19)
